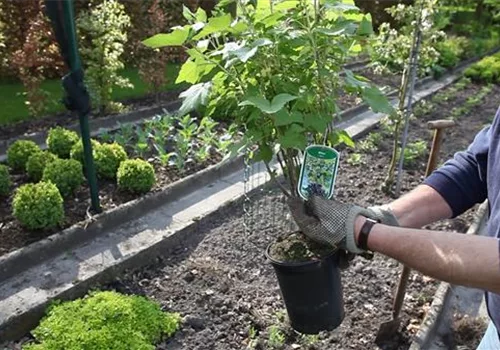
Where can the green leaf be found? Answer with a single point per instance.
(188, 73)
(264, 154)
(294, 137)
(271, 20)
(195, 96)
(338, 137)
(257, 101)
(201, 15)
(176, 38)
(377, 101)
(316, 123)
(238, 27)
(188, 15)
(265, 106)
(279, 101)
(355, 80)
(282, 118)
(215, 24)
(245, 53)
(365, 27)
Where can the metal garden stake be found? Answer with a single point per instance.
(77, 99)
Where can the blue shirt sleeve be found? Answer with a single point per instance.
(461, 181)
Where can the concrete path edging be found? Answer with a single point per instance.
(434, 316)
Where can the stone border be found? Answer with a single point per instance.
(23, 313)
(28, 256)
(434, 316)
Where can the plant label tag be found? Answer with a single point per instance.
(318, 172)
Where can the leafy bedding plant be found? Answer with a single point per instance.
(277, 74)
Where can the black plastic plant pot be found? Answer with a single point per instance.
(312, 292)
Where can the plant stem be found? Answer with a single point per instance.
(273, 177)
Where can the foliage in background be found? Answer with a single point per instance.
(104, 320)
(60, 141)
(276, 73)
(392, 47)
(36, 164)
(103, 35)
(66, 174)
(486, 70)
(38, 206)
(37, 53)
(5, 182)
(19, 152)
(136, 176)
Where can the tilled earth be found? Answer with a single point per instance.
(227, 292)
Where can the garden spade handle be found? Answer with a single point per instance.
(438, 126)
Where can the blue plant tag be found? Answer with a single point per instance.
(318, 172)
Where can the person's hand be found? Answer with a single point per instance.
(384, 215)
(328, 222)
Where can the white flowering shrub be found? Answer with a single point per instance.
(103, 34)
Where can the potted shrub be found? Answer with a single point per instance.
(277, 71)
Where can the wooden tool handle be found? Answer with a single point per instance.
(441, 124)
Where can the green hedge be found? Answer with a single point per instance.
(487, 70)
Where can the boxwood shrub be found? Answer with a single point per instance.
(104, 321)
(108, 158)
(36, 164)
(60, 141)
(136, 176)
(66, 174)
(5, 182)
(38, 206)
(19, 153)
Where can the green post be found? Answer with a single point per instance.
(77, 99)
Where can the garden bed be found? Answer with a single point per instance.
(228, 293)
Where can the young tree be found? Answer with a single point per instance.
(103, 34)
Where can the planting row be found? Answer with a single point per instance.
(46, 190)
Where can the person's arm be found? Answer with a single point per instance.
(449, 191)
(422, 206)
(472, 261)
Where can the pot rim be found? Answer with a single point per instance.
(296, 264)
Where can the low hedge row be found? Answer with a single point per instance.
(58, 174)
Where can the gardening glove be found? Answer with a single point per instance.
(384, 215)
(329, 222)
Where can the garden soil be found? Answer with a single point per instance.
(228, 294)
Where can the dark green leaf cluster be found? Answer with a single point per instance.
(5, 182)
(36, 164)
(38, 206)
(60, 141)
(19, 153)
(136, 176)
(108, 157)
(104, 321)
(66, 174)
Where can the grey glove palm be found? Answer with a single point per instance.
(329, 222)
